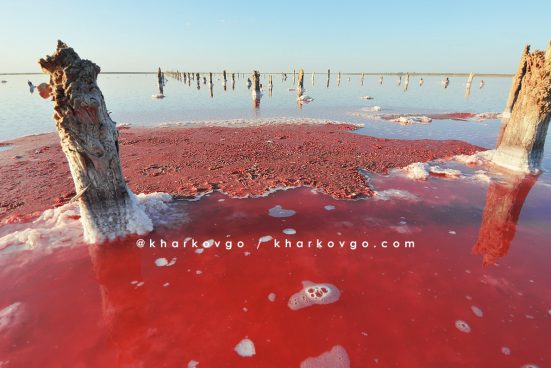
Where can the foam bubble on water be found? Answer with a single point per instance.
(199, 250)
(337, 357)
(389, 194)
(462, 326)
(312, 293)
(416, 171)
(192, 364)
(477, 311)
(329, 207)
(451, 232)
(246, 254)
(10, 315)
(505, 350)
(449, 173)
(198, 272)
(166, 284)
(530, 365)
(265, 238)
(279, 211)
(272, 297)
(245, 348)
(207, 243)
(289, 231)
(161, 262)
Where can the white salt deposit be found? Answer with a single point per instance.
(312, 293)
(449, 173)
(329, 207)
(476, 159)
(462, 326)
(279, 211)
(481, 176)
(192, 364)
(60, 226)
(416, 171)
(199, 250)
(388, 194)
(289, 231)
(163, 262)
(10, 315)
(245, 348)
(272, 297)
(505, 350)
(337, 357)
(208, 243)
(477, 311)
(409, 120)
(255, 122)
(265, 238)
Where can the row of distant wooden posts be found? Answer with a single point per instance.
(254, 80)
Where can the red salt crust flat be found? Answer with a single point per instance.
(238, 161)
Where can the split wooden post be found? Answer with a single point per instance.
(522, 138)
(406, 82)
(89, 139)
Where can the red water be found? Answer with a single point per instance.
(398, 307)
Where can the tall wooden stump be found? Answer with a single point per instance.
(328, 77)
(256, 93)
(89, 139)
(160, 80)
(339, 79)
(362, 80)
(520, 144)
(469, 83)
(211, 86)
(300, 84)
(406, 82)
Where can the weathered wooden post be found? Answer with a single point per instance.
(421, 82)
(294, 76)
(381, 80)
(300, 84)
(363, 76)
(89, 139)
(160, 81)
(232, 81)
(406, 82)
(313, 78)
(270, 85)
(198, 79)
(185, 77)
(256, 93)
(469, 83)
(399, 81)
(211, 86)
(520, 144)
(328, 77)
(224, 79)
(339, 79)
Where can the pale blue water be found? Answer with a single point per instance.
(128, 97)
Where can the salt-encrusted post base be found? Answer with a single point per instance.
(520, 144)
(89, 139)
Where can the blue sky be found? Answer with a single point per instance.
(423, 36)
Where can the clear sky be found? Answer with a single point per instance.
(382, 36)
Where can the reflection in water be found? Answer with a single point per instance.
(504, 202)
(124, 308)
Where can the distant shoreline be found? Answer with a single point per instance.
(490, 75)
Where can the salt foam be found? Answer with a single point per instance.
(334, 358)
(312, 293)
(245, 348)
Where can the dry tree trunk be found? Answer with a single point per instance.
(520, 144)
(89, 139)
